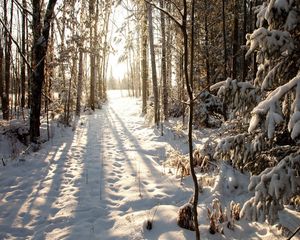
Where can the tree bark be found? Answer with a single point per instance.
(1, 73)
(39, 49)
(244, 62)
(164, 64)
(8, 42)
(144, 67)
(224, 40)
(252, 25)
(206, 43)
(23, 66)
(235, 35)
(169, 52)
(92, 56)
(188, 80)
(79, 83)
(153, 66)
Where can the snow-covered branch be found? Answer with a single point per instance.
(270, 108)
(273, 188)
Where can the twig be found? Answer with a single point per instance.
(176, 6)
(17, 45)
(3, 162)
(297, 230)
(23, 8)
(167, 13)
(154, 212)
(183, 102)
(204, 89)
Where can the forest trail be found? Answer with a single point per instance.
(83, 184)
(105, 179)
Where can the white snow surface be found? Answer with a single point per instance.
(105, 179)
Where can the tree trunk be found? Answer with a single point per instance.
(224, 40)
(153, 66)
(244, 62)
(169, 52)
(23, 66)
(235, 35)
(79, 83)
(1, 73)
(144, 67)
(39, 49)
(105, 52)
(29, 70)
(6, 88)
(188, 80)
(252, 27)
(206, 44)
(92, 56)
(164, 64)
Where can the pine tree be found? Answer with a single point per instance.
(274, 103)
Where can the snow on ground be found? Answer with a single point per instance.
(105, 180)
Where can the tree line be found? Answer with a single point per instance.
(48, 48)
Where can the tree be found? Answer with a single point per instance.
(267, 150)
(153, 66)
(278, 76)
(235, 36)
(39, 50)
(1, 73)
(144, 65)
(164, 64)
(224, 39)
(187, 29)
(7, 72)
(92, 53)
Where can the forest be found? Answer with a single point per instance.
(150, 119)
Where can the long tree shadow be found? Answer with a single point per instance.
(27, 199)
(146, 155)
(92, 208)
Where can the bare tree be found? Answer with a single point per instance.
(39, 49)
(7, 72)
(235, 36)
(187, 28)
(153, 66)
(1, 72)
(224, 40)
(23, 65)
(92, 54)
(164, 64)
(144, 65)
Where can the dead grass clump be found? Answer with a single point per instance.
(218, 217)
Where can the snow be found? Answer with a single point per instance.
(105, 179)
(269, 41)
(269, 107)
(273, 188)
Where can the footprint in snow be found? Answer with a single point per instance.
(112, 180)
(145, 182)
(126, 187)
(117, 164)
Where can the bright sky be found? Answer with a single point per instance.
(119, 70)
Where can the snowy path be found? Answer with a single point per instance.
(86, 184)
(103, 181)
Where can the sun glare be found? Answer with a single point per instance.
(118, 69)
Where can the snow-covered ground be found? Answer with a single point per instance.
(105, 179)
